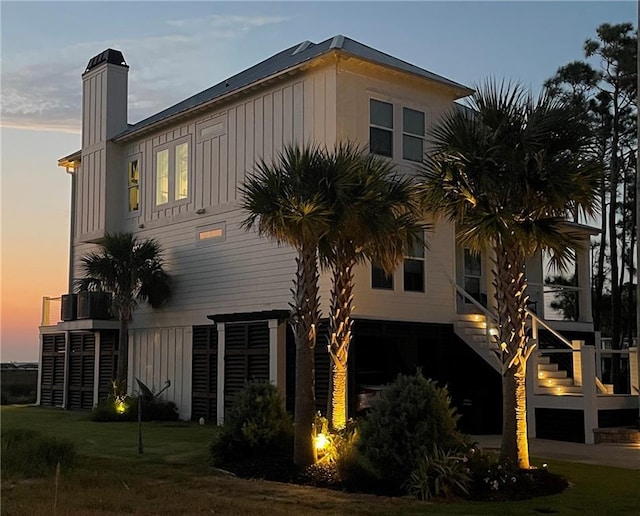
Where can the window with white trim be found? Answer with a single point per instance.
(380, 279)
(381, 128)
(133, 185)
(413, 129)
(172, 173)
(414, 268)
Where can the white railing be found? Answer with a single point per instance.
(51, 307)
(536, 322)
(607, 343)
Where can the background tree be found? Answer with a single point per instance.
(287, 201)
(133, 272)
(606, 85)
(508, 172)
(374, 216)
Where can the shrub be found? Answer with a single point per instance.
(492, 479)
(29, 454)
(156, 409)
(411, 417)
(442, 473)
(256, 426)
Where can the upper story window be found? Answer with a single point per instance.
(381, 128)
(414, 268)
(133, 185)
(412, 134)
(172, 173)
(380, 279)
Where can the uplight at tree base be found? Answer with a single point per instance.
(121, 407)
(320, 441)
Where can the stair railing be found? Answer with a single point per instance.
(536, 322)
(490, 337)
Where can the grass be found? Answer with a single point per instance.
(172, 478)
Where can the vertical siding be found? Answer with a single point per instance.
(161, 355)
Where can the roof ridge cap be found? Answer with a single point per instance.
(337, 41)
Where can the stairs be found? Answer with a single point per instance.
(553, 381)
(472, 329)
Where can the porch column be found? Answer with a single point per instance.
(96, 368)
(583, 272)
(532, 388)
(39, 388)
(220, 379)
(277, 342)
(65, 378)
(633, 371)
(590, 394)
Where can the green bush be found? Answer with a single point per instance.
(442, 473)
(156, 409)
(256, 426)
(411, 417)
(29, 454)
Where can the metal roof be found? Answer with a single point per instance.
(285, 60)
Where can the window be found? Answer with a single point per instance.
(133, 185)
(412, 134)
(414, 268)
(181, 183)
(379, 279)
(472, 275)
(211, 233)
(162, 177)
(172, 174)
(381, 128)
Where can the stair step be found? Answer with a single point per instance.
(547, 367)
(471, 317)
(560, 389)
(544, 360)
(546, 382)
(552, 374)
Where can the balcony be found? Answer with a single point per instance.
(76, 311)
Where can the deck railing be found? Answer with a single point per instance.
(51, 309)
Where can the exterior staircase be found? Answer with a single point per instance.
(554, 381)
(472, 329)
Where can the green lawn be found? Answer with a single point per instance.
(172, 478)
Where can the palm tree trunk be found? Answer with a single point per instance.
(340, 326)
(305, 319)
(510, 285)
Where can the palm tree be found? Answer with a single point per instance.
(508, 172)
(373, 217)
(286, 201)
(132, 271)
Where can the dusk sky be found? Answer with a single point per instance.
(176, 49)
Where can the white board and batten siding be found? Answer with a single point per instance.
(160, 354)
(104, 114)
(238, 271)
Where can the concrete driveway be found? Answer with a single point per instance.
(618, 455)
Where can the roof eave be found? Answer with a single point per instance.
(70, 160)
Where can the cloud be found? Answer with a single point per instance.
(43, 90)
(41, 97)
(233, 24)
